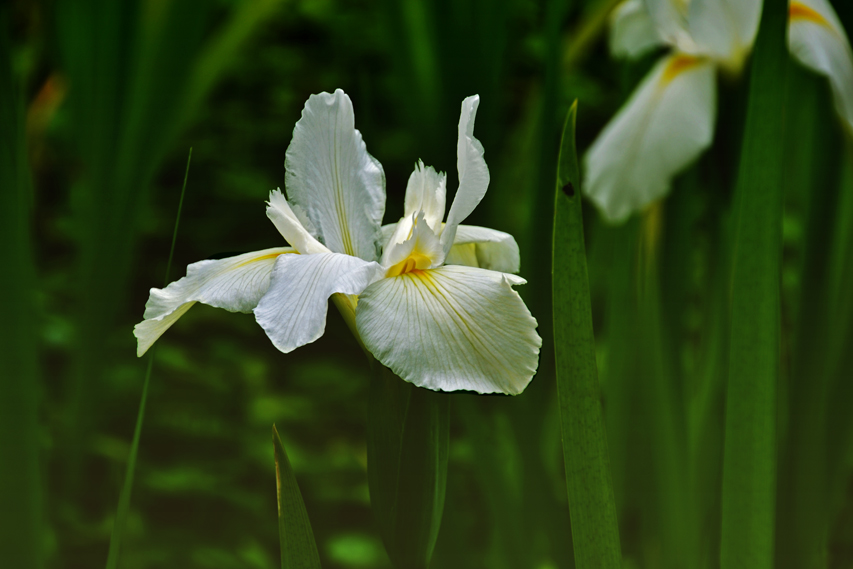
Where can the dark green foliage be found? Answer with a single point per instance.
(109, 97)
(21, 523)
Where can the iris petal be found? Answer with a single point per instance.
(666, 124)
(235, 284)
(451, 328)
(816, 38)
(293, 311)
(335, 186)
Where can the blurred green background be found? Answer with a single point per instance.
(111, 96)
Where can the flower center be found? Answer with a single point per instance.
(414, 262)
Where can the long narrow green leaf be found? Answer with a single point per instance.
(407, 444)
(841, 299)
(595, 531)
(749, 457)
(810, 183)
(127, 487)
(298, 548)
(20, 484)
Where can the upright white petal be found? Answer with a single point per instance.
(666, 124)
(451, 328)
(235, 284)
(426, 192)
(420, 250)
(486, 248)
(473, 246)
(670, 19)
(293, 311)
(725, 29)
(817, 39)
(290, 227)
(332, 180)
(632, 30)
(473, 172)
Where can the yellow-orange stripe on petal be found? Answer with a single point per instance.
(798, 11)
(265, 258)
(678, 65)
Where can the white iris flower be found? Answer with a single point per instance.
(432, 301)
(669, 120)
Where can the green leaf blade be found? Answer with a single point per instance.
(749, 461)
(595, 530)
(298, 548)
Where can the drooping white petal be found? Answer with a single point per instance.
(724, 29)
(473, 172)
(235, 284)
(817, 39)
(426, 192)
(632, 30)
(486, 248)
(451, 328)
(290, 227)
(293, 311)
(332, 180)
(666, 124)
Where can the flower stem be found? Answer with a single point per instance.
(407, 444)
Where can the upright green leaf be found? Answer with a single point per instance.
(298, 548)
(20, 484)
(407, 444)
(749, 456)
(595, 531)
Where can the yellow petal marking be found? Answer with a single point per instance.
(417, 261)
(799, 11)
(678, 65)
(262, 258)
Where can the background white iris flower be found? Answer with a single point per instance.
(432, 301)
(669, 119)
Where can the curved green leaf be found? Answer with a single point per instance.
(298, 548)
(595, 531)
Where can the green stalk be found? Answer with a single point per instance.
(298, 548)
(595, 532)
(619, 378)
(496, 460)
(407, 445)
(749, 456)
(705, 410)
(127, 487)
(20, 478)
(661, 414)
